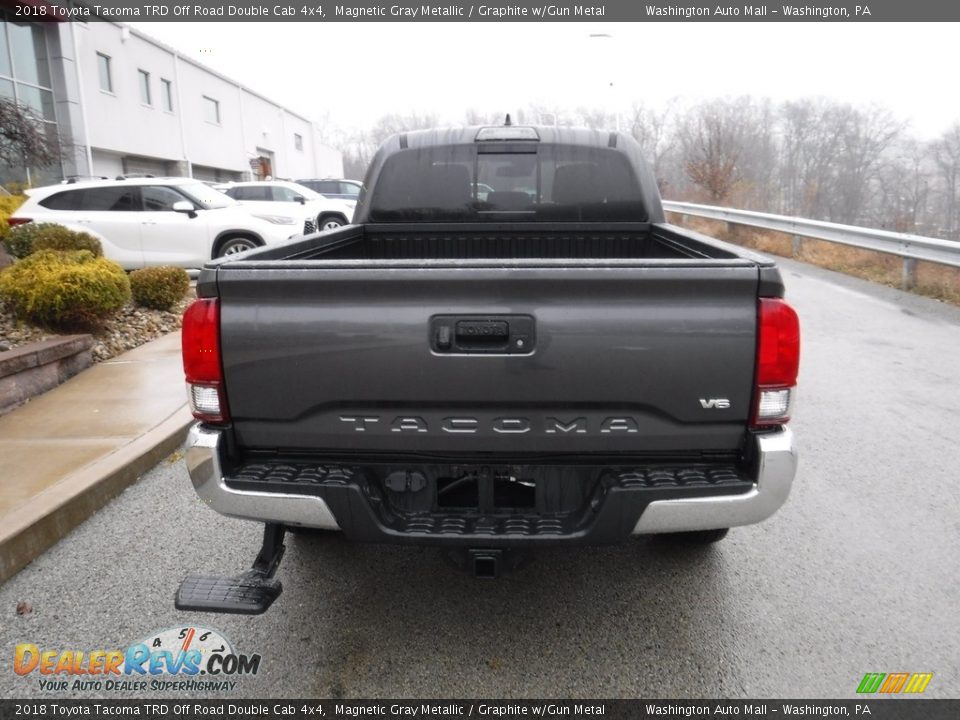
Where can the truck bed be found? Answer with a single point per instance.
(630, 241)
(401, 244)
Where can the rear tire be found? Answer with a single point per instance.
(696, 537)
(235, 245)
(329, 222)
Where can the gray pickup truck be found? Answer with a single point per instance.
(509, 347)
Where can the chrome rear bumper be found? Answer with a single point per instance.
(203, 463)
(776, 469)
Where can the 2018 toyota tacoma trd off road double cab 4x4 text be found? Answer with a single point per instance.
(509, 347)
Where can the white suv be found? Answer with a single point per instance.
(288, 197)
(144, 222)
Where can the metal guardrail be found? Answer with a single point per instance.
(910, 247)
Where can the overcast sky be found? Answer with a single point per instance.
(355, 72)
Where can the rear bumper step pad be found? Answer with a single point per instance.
(629, 501)
(364, 512)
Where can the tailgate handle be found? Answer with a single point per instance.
(494, 332)
(473, 334)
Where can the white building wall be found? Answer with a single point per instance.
(120, 125)
(119, 121)
(107, 163)
(207, 143)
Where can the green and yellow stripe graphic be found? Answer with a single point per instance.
(893, 683)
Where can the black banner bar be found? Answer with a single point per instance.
(497, 11)
(867, 707)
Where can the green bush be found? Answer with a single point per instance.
(64, 290)
(8, 205)
(19, 240)
(159, 288)
(24, 240)
(63, 240)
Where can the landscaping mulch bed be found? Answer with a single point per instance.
(131, 327)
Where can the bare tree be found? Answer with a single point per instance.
(595, 118)
(811, 158)
(831, 158)
(757, 166)
(711, 137)
(359, 146)
(24, 140)
(810, 144)
(900, 194)
(864, 138)
(473, 116)
(542, 114)
(651, 129)
(946, 157)
(394, 123)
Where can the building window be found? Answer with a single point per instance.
(211, 110)
(144, 77)
(167, 88)
(28, 50)
(298, 141)
(25, 78)
(5, 67)
(106, 77)
(38, 100)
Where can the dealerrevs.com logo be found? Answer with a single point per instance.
(178, 659)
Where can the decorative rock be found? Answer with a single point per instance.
(129, 328)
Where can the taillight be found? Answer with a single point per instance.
(778, 360)
(201, 361)
(14, 221)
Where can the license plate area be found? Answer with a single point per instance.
(486, 489)
(490, 490)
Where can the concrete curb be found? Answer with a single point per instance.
(45, 519)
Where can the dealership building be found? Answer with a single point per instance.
(121, 102)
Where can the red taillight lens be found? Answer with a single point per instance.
(201, 361)
(201, 341)
(778, 361)
(14, 221)
(778, 354)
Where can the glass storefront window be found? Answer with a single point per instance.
(29, 50)
(25, 77)
(4, 50)
(40, 101)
